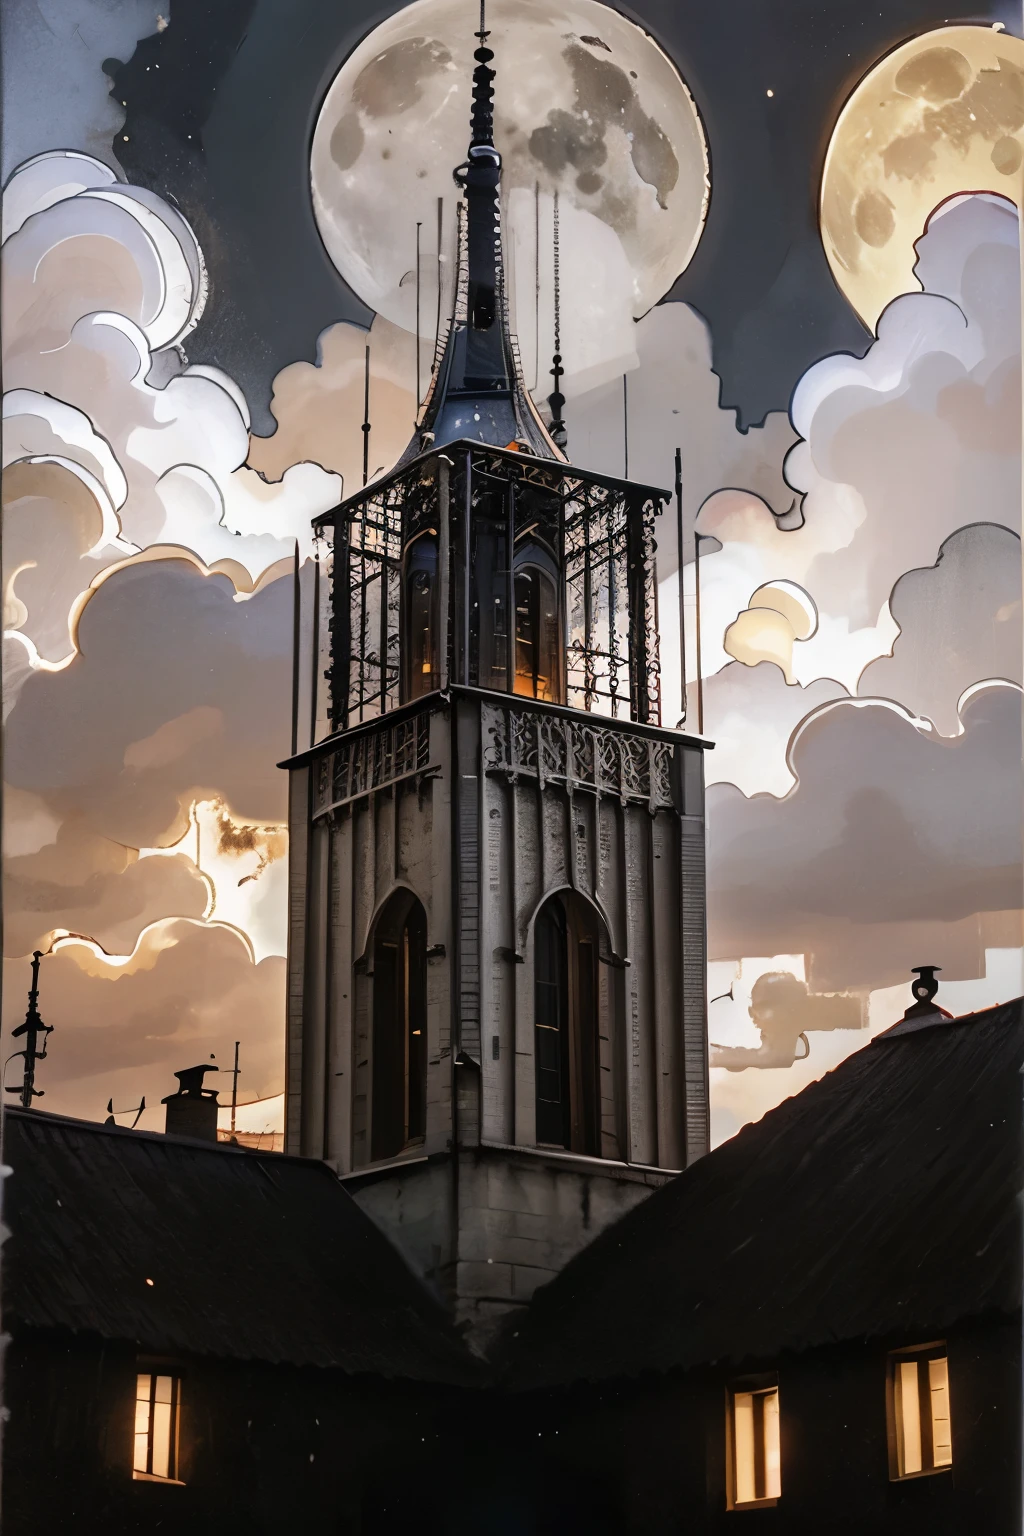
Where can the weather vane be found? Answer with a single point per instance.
(32, 1028)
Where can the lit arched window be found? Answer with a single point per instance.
(399, 1063)
(538, 672)
(568, 1096)
(421, 663)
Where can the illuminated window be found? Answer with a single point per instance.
(157, 1409)
(538, 653)
(420, 649)
(754, 1458)
(920, 1439)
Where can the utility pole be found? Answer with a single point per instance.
(32, 1028)
(234, 1088)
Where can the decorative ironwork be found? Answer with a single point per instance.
(601, 536)
(365, 620)
(372, 760)
(553, 748)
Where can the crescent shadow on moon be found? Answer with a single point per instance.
(943, 114)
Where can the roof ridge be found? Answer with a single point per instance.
(48, 1117)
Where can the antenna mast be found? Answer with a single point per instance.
(366, 415)
(234, 1087)
(32, 1028)
(556, 400)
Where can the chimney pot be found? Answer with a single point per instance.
(192, 1111)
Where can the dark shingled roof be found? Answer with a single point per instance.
(251, 1257)
(882, 1200)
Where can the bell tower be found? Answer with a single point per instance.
(496, 996)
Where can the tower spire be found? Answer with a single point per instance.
(477, 390)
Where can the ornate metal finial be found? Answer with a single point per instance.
(32, 1028)
(482, 121)
(556, 400)
(924, 990)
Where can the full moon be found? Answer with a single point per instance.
(943, 114)
(586, 105)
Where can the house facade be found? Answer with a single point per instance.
(205, 1339)
(819, 1326)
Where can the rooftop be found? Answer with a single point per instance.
(882, 1200)
(180, 1246)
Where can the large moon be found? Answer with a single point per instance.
(943, 114)
(586, 104)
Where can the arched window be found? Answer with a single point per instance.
(538, 672)
(421, 662)
(566, 1035)
(399, 1061)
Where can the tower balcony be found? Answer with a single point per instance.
(492, 569)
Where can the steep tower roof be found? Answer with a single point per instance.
(477, 389)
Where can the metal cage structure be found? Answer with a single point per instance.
(489, 514)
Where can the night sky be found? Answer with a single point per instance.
(223, 127)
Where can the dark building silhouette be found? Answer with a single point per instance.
(816, 1327)
(497, 1108)
(206, 1339)
(819, 1325)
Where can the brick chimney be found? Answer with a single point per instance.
(192, 1111)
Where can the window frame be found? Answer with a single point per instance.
(534, 558)
(398, 1000)
(920, 1353)
(579, 1028)
(410, 689)
(755, 1386)
(154, 1372)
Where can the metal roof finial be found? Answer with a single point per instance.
(32, 1028)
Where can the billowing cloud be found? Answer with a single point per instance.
(751, 713)
(88, 885)
(960, 623)
(893, 839)
(319, 407)
(777, 616)
(898, 449)
(78, 250)
(784, 1011)
(55, 542)
(102, 283)
(124, 1027)
(180, 690)
(927, 425)
(672, 400)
